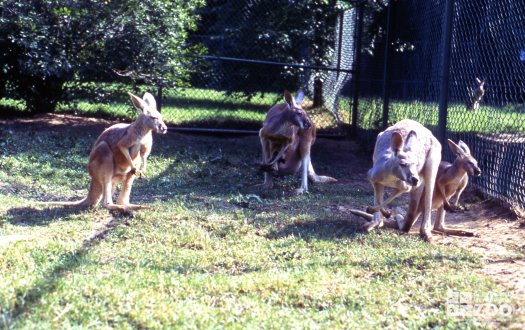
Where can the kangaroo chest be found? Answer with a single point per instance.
(141, 143)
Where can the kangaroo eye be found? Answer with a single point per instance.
(403, 164)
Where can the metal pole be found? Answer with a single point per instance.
(355, 67)
(159, 97)
(340, 42)
(445, 71)
(244, 60)
(386, 69)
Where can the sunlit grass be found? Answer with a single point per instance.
(212, 251)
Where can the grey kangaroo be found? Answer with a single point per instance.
(451, 180)
(406, 158)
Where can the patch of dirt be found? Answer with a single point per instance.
(500, 234)
(49, 122)
(500, 239)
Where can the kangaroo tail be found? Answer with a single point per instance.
(321, 178)
(82, 202)
(362, 214)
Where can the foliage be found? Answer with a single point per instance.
(301, 32)
(44, 43)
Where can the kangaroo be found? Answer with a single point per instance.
(406, 157)
(476, 95)
(286, 138)
(117, 155)
(451, 180)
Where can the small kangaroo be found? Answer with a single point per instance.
(451, 180)
(476, 95)
(286, 138)
(406, 158)
(118, 154)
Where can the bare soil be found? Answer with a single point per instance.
(500, 234)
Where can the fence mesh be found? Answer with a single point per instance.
(486, 88)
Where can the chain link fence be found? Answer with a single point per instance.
(458, 67)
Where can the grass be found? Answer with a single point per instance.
(195, 107)
(488, 119)
(212, 252)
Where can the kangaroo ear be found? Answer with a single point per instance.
(464, 147)
(455, 148)
(288, 99)
(409, 142)
(150, 100)
(137, 102)
(397, 142)
(299, 97)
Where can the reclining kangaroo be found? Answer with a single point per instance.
(118, 154)
(406, 158)
(286, 138)
(451, 180)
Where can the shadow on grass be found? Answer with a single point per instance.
(66, 263)
(320, 229)
(29, 216)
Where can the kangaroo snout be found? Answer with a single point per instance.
(307, 123)
(477, 172)
(413, 180)
(162, 129)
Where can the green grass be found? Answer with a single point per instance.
(212, 252)
(488, 119)
(196, 107)
(187, 107)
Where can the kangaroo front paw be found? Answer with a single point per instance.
(451, 208)
(142, 175)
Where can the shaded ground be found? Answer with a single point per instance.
(500, 234)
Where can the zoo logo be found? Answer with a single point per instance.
(493, 306)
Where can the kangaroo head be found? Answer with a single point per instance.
(405, 161)
(464, 159)
(295, 114)
(480, 91)
(147, 109)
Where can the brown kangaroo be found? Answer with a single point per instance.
(286, 138)
(406, 158)
(117, 155)
(451, 180)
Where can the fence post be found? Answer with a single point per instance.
(159, 97)
(386, 68)
(445, 71)
(355, 67)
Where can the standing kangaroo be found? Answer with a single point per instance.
(286, 138)
(475, 95)
(451, 180)
(117, 155)
(406, 158)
